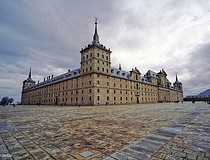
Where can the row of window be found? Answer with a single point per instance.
(98, 55)
(103, 63)
(98, 91)
(90, 99)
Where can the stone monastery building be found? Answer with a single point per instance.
(97, 83)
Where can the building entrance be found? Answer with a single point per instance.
(137, 99)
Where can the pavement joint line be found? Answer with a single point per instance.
(189, 116)
(38, 145)
(47, 151)
(22, 146)
(110, 131)
(7, 148)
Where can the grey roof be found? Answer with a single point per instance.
(65, 76)
(151, 73)
(29, 80)
(75, 73)
(120, 73)
(145, 80)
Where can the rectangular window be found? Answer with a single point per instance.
(102, 69)
(115, 98)
(89, 90)
(98, 90)
(103, 56)
(98, 68)
(89, 98)
(90, 82)
(98, 54)
(107, 98)
(98, 98)
(107, 91)
(107, 83)
(98, 82)
(114, 91)
(107, 58)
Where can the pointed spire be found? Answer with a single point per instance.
(29, 76)
(120, 66)
(177, 78)
(95, 36)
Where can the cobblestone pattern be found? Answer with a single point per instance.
(182, 139)
(150, 131)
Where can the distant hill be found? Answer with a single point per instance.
(205, 93)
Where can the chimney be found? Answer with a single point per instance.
(120, 66)
(52, 77)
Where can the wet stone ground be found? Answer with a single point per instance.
(166, 131)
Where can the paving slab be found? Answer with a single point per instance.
(143, 131)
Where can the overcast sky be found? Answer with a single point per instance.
(47, 35)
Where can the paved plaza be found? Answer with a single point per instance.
(167, 131)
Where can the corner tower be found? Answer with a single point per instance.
(95, 58)
(28, 82)
(177, 84)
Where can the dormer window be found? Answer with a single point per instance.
(118, 72)
(112, 70)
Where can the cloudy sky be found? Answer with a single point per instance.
(47, 35)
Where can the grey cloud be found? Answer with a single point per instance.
(48, 35)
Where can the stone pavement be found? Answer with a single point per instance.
(167, 131)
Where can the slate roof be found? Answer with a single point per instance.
(65, 76)
(74, 73)
(120, 73)
(151, 73)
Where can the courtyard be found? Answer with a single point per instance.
(142, 131)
